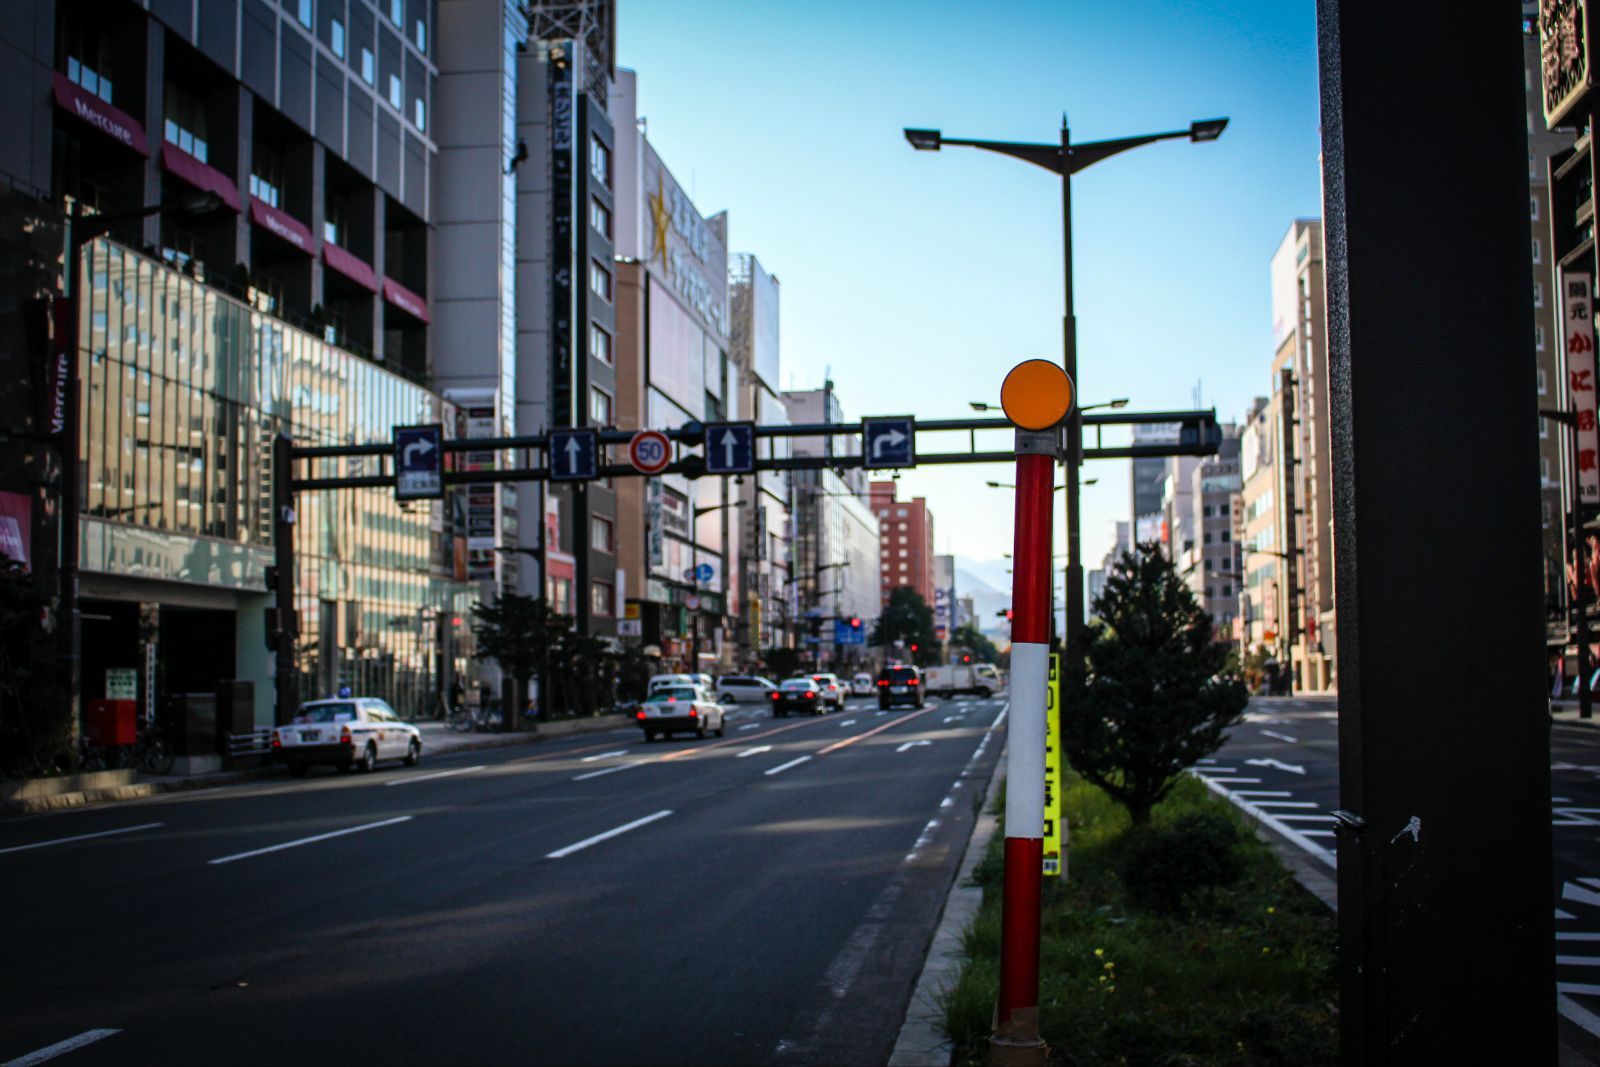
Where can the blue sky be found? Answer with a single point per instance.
(920, 278)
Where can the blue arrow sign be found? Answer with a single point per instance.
(574, 455)
(890, 442)
(418, 462)
(730, 447)
(704, 573)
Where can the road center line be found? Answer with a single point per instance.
(309, 840)
(604, 755)
(608, 835)
(608, 770)
(50, 1052)
(435, 774)
(780, 768)
(876, 730)
(82, 837)
(754, 751)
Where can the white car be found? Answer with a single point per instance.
(680, 709)
(861, 685)
(831, 689)
(661, 681)
(343, 733)
(737, 688)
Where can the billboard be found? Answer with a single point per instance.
(1577, 344)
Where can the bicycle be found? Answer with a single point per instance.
(91, 757)
(462, 719)
(150, 751)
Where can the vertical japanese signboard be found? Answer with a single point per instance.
(1577, 334)
(562, 244)
(1055, 855)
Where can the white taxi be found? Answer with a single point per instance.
(345, 732)
(680, 709)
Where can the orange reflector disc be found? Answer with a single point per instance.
(1037, 394)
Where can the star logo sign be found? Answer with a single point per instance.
(659, 218)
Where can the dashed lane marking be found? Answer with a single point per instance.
(308, 840)
(780, 768)
(754, 751)
(435, 774)
(50, 1052)
(605, 755)
(82, 837)
(579, 846)
(607, 770)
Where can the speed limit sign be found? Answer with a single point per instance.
(649, 452)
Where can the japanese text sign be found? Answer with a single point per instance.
(1577, 339)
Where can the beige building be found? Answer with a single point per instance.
(1260, 597)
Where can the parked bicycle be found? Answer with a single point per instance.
(150, 751)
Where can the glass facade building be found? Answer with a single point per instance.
(185, 389)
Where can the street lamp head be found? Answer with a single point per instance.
(979, 405)
(198, 203)
(1207, 129)
(924, 140)
(1120, 402)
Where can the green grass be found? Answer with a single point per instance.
(1244, 976)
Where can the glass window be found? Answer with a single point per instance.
(599, 344)
(397, 12)
(335, 219)
(600, 598)
(185, 124)
(88, 60)
(600, 218)
(369, 68)
(600, 280)
(559, 594)
(419, 114)
(266, 176)
(337, 38)
(599, 406)
(422, 37)
(599, 533)
(394, 91)
(305, 13)
(599, 161)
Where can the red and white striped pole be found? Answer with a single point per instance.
(1036, 396)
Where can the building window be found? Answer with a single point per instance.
(335, 219)
(600, 161)
(600, 533)
(1226, 536)
(305, 14)
(336, 38)
(422, 37)
(1538, 294)
(600, 218)
(905, 566)
(1538, 337)
(1544, 465)
(1541, 381)
(1537, 255)
(186, 122)
(88, 60)
(397, 12)
(903, 553)
(1533, 208)
(559, 594)
(1544, 432)
(600, 280)
(266, 176)
(601, 598)
(369, 68)
(599, 344)
(599, 406)
(419, 113)
(394, 91)
(900, 513)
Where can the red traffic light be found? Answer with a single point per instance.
(913, 648)
(966, 659)
(1008, 615)
(855, 624)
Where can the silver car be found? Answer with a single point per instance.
(744, 688)
(344, 733)
(680, 709)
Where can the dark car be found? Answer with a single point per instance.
(899, 685)
(797, 695)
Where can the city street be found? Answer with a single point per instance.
(763, 898)
(1282, 765)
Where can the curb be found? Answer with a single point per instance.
(139, 790)
(922, 1041)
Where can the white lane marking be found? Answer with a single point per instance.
(922, 840)
(1317, 833)
(1290, 816)
(50, 1052)
(1578, 961)
(749, 726)
(1290, 767)
(608, 770)
(780, 768)
(948, 801)
(1560, 800)
(1000, 718)
(1261, 792)
(1280, 737)
(608, 835)
(1228, 779)
(81, 837)
(1580, 894)
(1286, 804)
(847, 722)
(913, 744)
(953, 718)
(1572, 936)
(1592, 883)
(309, 840)
(1275, 821)
(754, 751)
(1564, 914)
(603, 755)
(435, 774)
(1208, 759)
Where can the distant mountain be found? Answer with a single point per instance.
(977, 579)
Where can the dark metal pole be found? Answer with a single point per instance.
(71, 637)
(287, 622)
(1074, 450)
(1444, 864)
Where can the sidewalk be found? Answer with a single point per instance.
(1565, 710)
(51, 794)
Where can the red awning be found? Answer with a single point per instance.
(208, 179)
(350, 266)
(283, 225)
(99, 114)
(405, 300)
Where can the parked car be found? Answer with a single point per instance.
(900, 685)
(344, 733)
(981, 679)
(861, 685)
(798, 695)
(735, 688)
(660, 681)
(833, 691)
(680, 709)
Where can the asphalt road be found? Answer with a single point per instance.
(1282, 763)
(765, 898)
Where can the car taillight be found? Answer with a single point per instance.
(882, 682)
(774, 696)
(810, 694)
(911, 681)
(344, 735)
(694, 713)
(277, 742)
(641, 713)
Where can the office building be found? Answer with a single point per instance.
(1213, 569)
(905, 531)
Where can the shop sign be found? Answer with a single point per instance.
(72, 98)
(122, 683)
(1565, 74)
(1577, 333)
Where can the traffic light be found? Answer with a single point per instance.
(913, 648)
(855, 624)
(965, 658)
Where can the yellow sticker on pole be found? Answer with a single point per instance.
(1055, 830)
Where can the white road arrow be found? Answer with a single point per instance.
(886, 439)
(913, 744)
(422, 447)
(754, 751)
(847, 722)
(1290, 767)
(574, 450)
(730, 441)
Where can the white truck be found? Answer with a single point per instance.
(980, 678)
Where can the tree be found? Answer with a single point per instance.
(907, 618)
(1148, 692)
(783, 662)
(520, 633)
(970, 638)
(35, 727)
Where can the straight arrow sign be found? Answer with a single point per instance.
(913, 744)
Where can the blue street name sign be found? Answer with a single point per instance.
(730, 447)
(419, 462)
(890, 442)
(574, 455)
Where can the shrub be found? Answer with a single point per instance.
(1165, 864)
